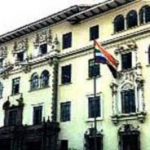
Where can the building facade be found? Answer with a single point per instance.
(46, 80)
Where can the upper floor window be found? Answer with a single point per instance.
(145, 14)
(1, 89)
(15, 86)
(37, 115)
(34, 81)
(126, 61)
(67, 40)
(94, 32)
(94, 69)
(119, 23)
(44, 79)
(1, 62)
(94, 107)
(12, 118)
(128, 101)
(65, 111)
(66, 74)
(43, 49)
(20, 56)
(132, 19)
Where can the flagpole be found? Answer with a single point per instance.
(95, 121)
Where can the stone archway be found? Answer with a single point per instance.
(91, 139)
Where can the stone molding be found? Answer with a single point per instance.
(20, 46)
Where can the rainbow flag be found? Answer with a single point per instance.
(102, 56)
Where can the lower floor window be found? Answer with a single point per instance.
(65, 111)
(94, 106)
(37, 115)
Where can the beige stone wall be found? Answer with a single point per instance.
(81, 86)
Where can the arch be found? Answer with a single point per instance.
(34, 81)
(127, 86)
(132, 19)
(44, 79)
(119, 23)
(1, 89)
(144, 14)
(89, 137)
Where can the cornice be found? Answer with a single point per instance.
(42, 23)
(100, 9)
(66, 15)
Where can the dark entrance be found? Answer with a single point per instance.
(130, 142)
(129, 138)
(5, 144)
(92, 142)
(64, 145)
(33, 146)
(35, 137)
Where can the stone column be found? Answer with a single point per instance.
(55, 89)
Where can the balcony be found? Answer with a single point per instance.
(139, 116)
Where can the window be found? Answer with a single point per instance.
(145, 14)
(131, 19)
(1, 90)
(12, 119)
(67, 40)
(37, 115)
(65, 111)
(20, 56)
(94, 68)
(94, 32)
(43, 49)
(94, 107)
(64, 145)
(66, 74)
(126, 61)
(45, 78)
(130, 141)
(15, 86)
(34, 81)
(1, 62)
(128, 101)
(119, 23)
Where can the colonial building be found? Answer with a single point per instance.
(46, 80)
